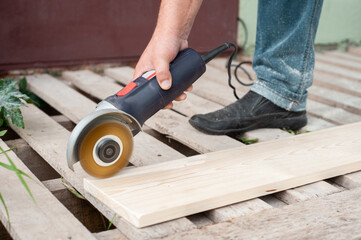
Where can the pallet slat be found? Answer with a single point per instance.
(29, 220)
(333, 217)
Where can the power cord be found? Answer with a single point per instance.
(237, 66)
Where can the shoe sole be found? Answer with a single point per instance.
(287, 123)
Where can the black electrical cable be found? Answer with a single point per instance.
(229, 64)
(238, 66)
(245, 32)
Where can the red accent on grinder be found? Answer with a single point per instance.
(127, 89)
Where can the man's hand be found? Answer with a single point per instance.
(160, 51)
(175, 21)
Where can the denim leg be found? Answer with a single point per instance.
(284, 54)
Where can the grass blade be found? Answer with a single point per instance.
(18, 172)
(111, 222)
(26, 186)
(71, 189)
(6, 208)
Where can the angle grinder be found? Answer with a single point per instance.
(103, 140)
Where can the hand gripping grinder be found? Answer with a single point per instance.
(103, 140)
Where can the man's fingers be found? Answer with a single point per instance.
(163, 75)
(169, 106)
(182, 97)
(189, 89)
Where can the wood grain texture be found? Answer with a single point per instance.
(332, 217)
(193, 184)
(44, 219)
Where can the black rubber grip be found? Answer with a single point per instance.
(148, 98)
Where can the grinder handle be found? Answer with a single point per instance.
(143, 97)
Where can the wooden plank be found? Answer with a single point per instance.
(212, 180)
(331, 114)
(43, 82)
(337, 83)
(113, 234)
(148, 150)
(49, 140)
(32, 160)
(87, 214)
(338, 71)
(354, 50)
(177, 127)
(336, 99)
(343, 55)
(163, 124)
(45, 219)
(352, 180)
(348, 64)
(332, 217)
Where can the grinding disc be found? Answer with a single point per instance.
(90, 139)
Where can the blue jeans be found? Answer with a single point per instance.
(284, 54)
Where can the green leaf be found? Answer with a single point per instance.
(23, 85)
(32, 97)
(25, 185)
(111, 222)
(72, 189)
(6, 208)
(10, 101)
(249, 141)
(1, 120)
(2, 133)
(18, 172)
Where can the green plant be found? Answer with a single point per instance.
(249, 141)
(10, 103)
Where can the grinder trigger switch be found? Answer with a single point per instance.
(127, 89)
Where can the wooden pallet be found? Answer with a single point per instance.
(334, 100)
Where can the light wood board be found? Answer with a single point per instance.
(195, 104)
(153, 194)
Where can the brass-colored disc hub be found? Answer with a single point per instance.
(105, 149)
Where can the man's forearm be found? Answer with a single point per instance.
(176, 17)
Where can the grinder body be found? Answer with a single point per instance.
(102, 141)
(143, 97)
